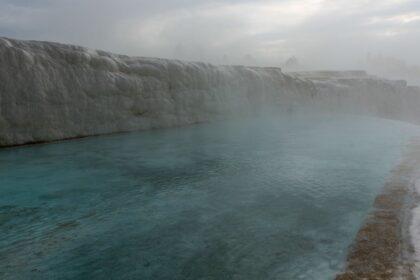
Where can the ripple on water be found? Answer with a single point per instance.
(268, 198)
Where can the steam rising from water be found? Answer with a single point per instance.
(320, 33)
(268, 198)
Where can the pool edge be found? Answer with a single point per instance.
(383, 247)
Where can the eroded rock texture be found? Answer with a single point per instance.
(356, 92)
(51, 91)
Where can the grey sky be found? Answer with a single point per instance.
(321, 33)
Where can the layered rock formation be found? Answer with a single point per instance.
(51, 91)
(356, 92)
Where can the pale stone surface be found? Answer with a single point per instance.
(356, 92)
(51, 91)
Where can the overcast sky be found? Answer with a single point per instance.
(321, 33)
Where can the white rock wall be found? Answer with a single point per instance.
(51, 91)
(368, 96)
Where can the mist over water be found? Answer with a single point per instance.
(269, 128)
(321, 34)
(278, 197)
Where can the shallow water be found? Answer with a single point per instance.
(268, 198)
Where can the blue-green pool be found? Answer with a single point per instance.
(267, 198)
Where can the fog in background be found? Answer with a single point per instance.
(297, 35)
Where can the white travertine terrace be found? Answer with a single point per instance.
(51, 91)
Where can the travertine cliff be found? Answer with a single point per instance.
(356, 92)
(51, 91)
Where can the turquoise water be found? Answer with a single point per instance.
(268, 198)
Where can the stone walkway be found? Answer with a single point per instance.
(382, 249)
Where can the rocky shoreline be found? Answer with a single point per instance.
(383, 248)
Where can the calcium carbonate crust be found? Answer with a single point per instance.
(51, 91)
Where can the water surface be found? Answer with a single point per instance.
(267, 198)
